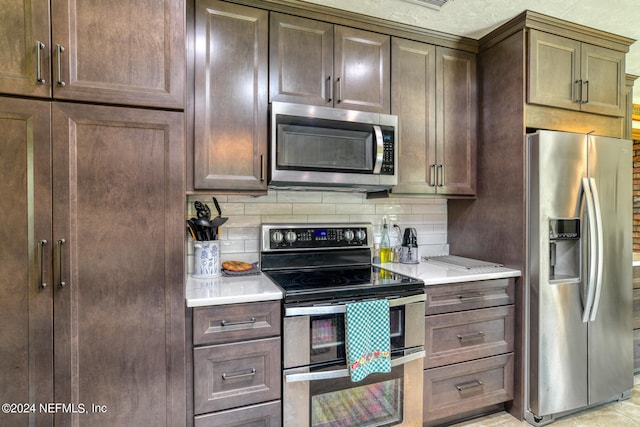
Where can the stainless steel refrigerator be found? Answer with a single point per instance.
(579, 273)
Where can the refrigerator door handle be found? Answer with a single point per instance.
(586, 187)
(600, 248)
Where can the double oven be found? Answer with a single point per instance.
(321, 269)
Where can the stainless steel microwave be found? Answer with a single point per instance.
(330, 148)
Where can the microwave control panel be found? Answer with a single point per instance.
(388, 155)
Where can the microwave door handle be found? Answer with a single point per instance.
(379, 149)
(343, 373)
(317, 310)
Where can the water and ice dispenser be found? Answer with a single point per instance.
(564, 250)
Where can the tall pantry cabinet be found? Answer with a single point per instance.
(91, 265)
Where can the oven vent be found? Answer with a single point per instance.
(433, 4)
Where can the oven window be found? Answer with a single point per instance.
(327, 336)
(324, 149)
(378, 404)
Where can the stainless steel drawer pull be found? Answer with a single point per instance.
(432, 175)
(242, 322)
(586, 83)
(39, 47)
(579, 91)
(61, 283)
(441, 175)
(466, 297)
(475, 335)
(470, 385)
(41, 245)
(226, 376)
(59, 50)
(262, 168)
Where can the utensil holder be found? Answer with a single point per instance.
(206, 259)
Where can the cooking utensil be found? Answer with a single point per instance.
(205, 228)
(194, 229)
(219, 220)
(215, 202)
(202, 210)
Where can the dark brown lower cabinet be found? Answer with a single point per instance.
(263, 414)
(237, 365)
(92, 297)
(469, 340)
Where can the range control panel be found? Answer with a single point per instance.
(307, 236)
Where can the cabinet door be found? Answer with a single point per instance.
(602, 72)
(118, 236)
(24, 38)
(413, 101)
(554, 70)
(456, 121)
(26, 336)
(231, 101)
(361, 70)
(300, 60)
(125, 53)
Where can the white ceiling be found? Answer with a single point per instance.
(475, 18)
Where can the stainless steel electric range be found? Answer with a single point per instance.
(321, 268)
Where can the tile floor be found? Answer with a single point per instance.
(616, 414)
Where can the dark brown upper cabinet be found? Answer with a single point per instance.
(231, 101)
(92, 51)
(574, 75)
(318, 63)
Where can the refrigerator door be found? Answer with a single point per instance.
(557, 336)
(610, 327)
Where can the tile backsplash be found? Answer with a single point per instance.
(240, 235)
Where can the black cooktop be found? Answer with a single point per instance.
(333, 283)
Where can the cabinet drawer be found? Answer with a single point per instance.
(469, 295)
(636, 308)
(463, 387)
(264, 415)
(236, 322)
(232, 375)
(466, 335)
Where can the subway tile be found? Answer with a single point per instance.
(243, 221)
(314, 209)
(354, 209)
(392, 209)
(252, 245)
(342, 197)
(268, 208)
(327, 218)
(272, 197)
(284, 219)
(231, 246)
(243, 233)
(299, 197)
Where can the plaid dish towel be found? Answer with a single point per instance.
(367, 338)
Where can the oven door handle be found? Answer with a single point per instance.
(342, 373)
(318, 310)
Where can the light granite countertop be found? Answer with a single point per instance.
(241, 289)
(230, 290)
(433, 274)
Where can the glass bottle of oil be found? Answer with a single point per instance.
(385, 244)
